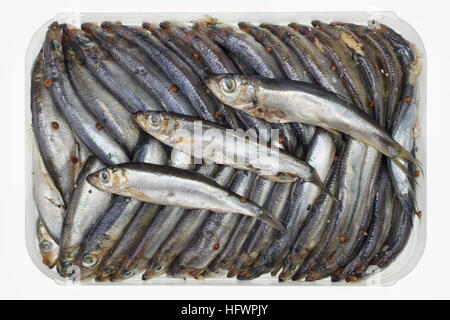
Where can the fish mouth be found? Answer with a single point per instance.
(212, 82)
(93, 180)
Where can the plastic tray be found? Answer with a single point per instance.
(404, 263)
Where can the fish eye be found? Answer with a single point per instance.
(104, 176)
(158, 267)
(128, 273)
(228, 84)
(46, 246)
(89, 261)
(108, 270)
(155, 119)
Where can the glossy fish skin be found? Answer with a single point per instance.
(215, 232)
(186, 53)
(53, 134)
(218, 62)
(48, 247)
(313, 230)
(212, 54)
(86, 206)
(110, 113)
(263, 235)
(80, 121)
(104, 234)
(376, 234)
(401, 46)
(172, 186)
(368, 64)
(403, 133)
(314, 60)
(111, 265)
(389, 62)
(184, 232)
(291, 65)
(176, 69)
(341, 58)
(352, 159)
(161, 226)
(136, 64)
(262, 63)
(110, 227)
(361, 215)
(239, 151)
(247, 49)
(401, 229)
(228, 257)
(49, 202)
(118, 81)
(304, 195)
(291, 101)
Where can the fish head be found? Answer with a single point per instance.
(111, 179)
(105, 272)
(234, 90)
(161, 125)
(82, 43)
(53, 48)
(49, 251)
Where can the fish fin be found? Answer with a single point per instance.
(405, 155)
(402, 167)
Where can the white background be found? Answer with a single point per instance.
(19, 278)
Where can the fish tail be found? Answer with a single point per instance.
(401, 166)
(406, 156)
(318, 182)
(268, 218)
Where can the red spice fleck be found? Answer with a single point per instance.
(419, 214)
(196, 55)
(335, 157)
(417, 173)
(48, 83)
(408, 99)
(242, 199)
(174, 89)
(98, 126)
(216, 246)
(217, 114)
(292, 175)
(268, 49)
(333, 67)
(372, 104)
(55, 125)
(46, 261)
(74, 160)
(281, 139)
(136, 71)
(342, 239)
(333, 24)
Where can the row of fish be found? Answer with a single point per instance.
(304, 168)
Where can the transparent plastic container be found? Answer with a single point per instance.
(403, 264)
